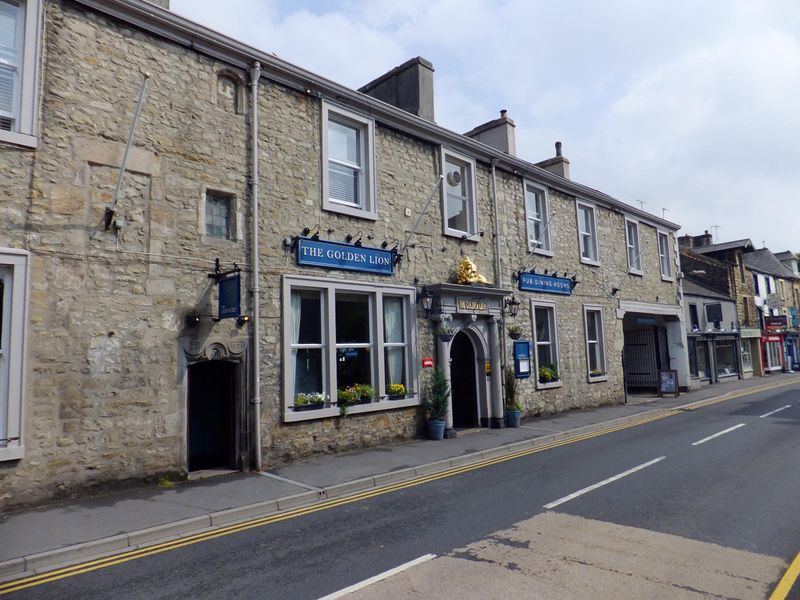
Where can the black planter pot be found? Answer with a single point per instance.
(397, 396)
(304, 407)
(515, 336)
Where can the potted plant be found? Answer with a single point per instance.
(396, 391)
(514, 332)
(512, 407)
(365, 393)
(596, 373)
(311, 401)
(548, 374)
(435, 404)
(446, 332)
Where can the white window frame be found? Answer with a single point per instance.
(472, 196)
(745, 349)
(633, 247)
(543, 246)
(664, 259)
(600, 342)
(377, 344)
(594, 236)
(554, 334)
(15, 307)
(26, 121)
(368, 208)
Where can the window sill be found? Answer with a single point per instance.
(548, 386)
(542, 251)
(636, 272)
(598, 378)
(350, 211)
(591, 262)
(218, 241)
(463, 236)
(667, 278)
(19, 139)
(290, 416)
(12, 453)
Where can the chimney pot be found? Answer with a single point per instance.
(503, 113)
(558, 148)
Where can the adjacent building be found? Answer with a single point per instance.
(282, 258)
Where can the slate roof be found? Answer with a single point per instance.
(745, 243)
(692, 288)
(781, 256)
(764, 261)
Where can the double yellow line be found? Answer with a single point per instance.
(188, 540)
(20, 584)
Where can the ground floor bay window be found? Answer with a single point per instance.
(347, 345)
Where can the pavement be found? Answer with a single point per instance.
(55, 535)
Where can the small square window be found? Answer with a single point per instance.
(459, 206)
(538, 219)
(219, 216)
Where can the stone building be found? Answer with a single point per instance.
(722, 267)
(715, 351)
(279, 254)
(774, 286)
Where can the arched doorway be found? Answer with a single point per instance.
(211, 425)
(463, 376)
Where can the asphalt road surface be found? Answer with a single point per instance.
(697, 505)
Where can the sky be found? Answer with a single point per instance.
(692, 108)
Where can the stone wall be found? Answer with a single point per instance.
(106, 392)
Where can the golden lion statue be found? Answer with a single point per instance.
(468, 272)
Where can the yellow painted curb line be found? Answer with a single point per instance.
(93, 565)
(787, 581)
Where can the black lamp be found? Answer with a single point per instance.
(426, 299)
(513, 306)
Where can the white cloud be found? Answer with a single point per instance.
(686, 105)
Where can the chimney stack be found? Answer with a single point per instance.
(408, 87)
(703, 240)
(498, 134)
(558, 164)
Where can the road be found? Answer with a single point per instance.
(700, 504)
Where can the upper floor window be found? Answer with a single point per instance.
(460, 206)
(632, 241)
(538, 219)
(694, 317)
(664, 255)
(587, 233)
(19, 28)
(220, 219)
(755, 284)
(348, 156)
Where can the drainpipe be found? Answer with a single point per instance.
(255, 400)
(497, 262)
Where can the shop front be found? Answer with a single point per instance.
(714, 357)
(772, 352)
(750, 352)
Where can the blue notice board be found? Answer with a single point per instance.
(337, 255)
(533, 282)
(522, 359)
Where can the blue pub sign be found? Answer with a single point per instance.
(229, 297)
(337, 255)
(534, 282)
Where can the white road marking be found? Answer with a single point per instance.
(379, 577)
(602, 483)
(291, 481)
(775, 411)
(711, 437)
